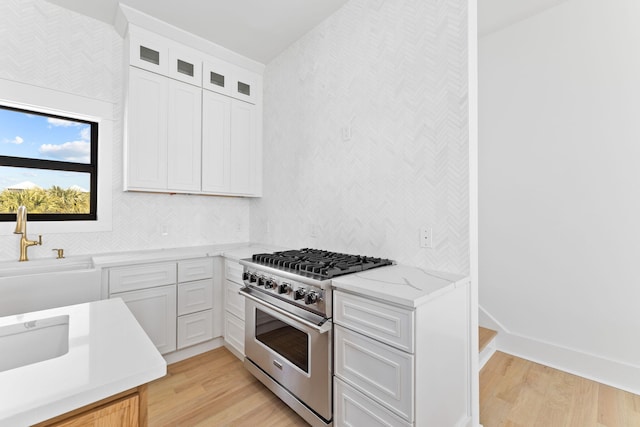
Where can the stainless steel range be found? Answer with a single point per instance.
(288, 328)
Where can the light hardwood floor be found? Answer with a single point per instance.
(515, 392)
(214, 389)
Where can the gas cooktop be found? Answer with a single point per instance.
(320, 263)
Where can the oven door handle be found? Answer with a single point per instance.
(322, 328)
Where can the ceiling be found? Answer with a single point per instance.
(261, 29)
(257, 29)
(494, 15)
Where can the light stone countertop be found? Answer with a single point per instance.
(399, 284)
(108, 354)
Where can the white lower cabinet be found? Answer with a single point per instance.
(155, 310)
(402, 366)
(352, 408)
(376, 369)
(234, 308)
(173, 301)
(195, 328)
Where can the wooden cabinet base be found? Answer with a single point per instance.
(126, 409)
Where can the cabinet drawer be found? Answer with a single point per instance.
(381, 372)
(352, 408)
(195, 269)
(123, 279)
(233, 272)
(233, 301)
(195, 328)
(234, 332)
(195, 296)
(386, 323)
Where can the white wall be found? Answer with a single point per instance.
(559, 194)
(394, 72)
(45, 45)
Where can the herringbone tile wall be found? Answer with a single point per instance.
(46, 45)
(394, 72)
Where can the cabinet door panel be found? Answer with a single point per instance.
(216, 137)
(195, 328)
(234, 332)
(242, 156)
(184, 134)
(147, 130)
(195, 296)
(352, 408)
(233, 301)
(155, 310)
(381, 372)
(195, 269)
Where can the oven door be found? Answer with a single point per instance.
(294, 351)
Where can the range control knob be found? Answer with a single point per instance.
(245, 276)
(253, 278)
(311, 297)
(270, 284)
(299, 293)
(261, 281)
(284, 288)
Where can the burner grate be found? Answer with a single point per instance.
(318, 262)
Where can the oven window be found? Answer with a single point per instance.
(284, 339)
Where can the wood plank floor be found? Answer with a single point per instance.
(214, 389)
(517, 393)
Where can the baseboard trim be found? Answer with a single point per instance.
(610, 372)
(188, 352)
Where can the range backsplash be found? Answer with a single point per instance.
(393, 74)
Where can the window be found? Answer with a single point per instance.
(49, 164)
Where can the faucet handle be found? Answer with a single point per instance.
(60, 253)
(40, 239)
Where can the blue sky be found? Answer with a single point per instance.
(41, 137)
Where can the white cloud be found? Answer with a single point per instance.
(74, 151)
(17, 140)
(85, 133)
(61, 122)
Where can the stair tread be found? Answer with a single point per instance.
(485, 336)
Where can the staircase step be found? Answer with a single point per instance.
(486, 344)
(484, 337)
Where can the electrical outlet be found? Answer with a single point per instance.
(346, 133)
(426, 237)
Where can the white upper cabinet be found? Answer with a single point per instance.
(147, 130)
(148, 51)
(216, 140)
(184, 123)
(185, 65)
(193, 122)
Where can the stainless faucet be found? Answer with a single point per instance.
(21, 228)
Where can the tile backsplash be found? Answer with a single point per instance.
(366, 136)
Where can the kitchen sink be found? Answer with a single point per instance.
(34, 341)
(48, 283)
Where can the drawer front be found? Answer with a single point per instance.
(123, 279)
(233, 271)
(353, 408)
(234, 332)
(195, 328)
(195, 269)
(233, 301)
(389, 324)
(381, 372)
(195, 296)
